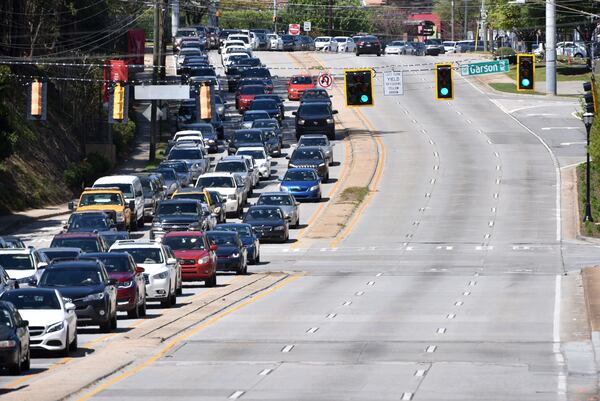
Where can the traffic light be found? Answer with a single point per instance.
(590, 96)
(525, 72)
(36, 98)
(444, 85)
(204, 102)
(359, 87)
(118, 110)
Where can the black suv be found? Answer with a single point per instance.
(316, 95)
(247, 137)
(310, 157)
(368, 45)
(315, 118)
(178, 215)
(87, 285)
(268, 222)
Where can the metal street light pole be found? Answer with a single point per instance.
(452, 18)
(550, 47)
(588, 119)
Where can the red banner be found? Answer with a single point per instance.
(114, 70)
(136, 46)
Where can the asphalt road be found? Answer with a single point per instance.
(447, 287)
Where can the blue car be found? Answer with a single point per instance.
(231, 252)
(303, 183)
(248, 237)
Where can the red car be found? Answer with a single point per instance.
(196, 256)
(298, 84)
(246, 94)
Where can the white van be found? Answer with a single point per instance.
(131, 186)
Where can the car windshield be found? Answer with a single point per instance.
(70, 277)
(307, 154)
(144, 255)
(315, 95)
(264, 104)
(244, 39)
(322, 39)
(216, 182)
(256, 73)
(248, 136)
(313, 109)
(85, 244)
(340, 40)
(181, 243)
(116, 264)
(255, 116)
(252, 90)
(302, 175)
(127, 189)
(179, 167)
(32, 300)
(222, 238)
(16, 261)
(255, 154)
(185, 154)
(312, 141)
(100, 199)
(275, 200)
(110, 237)
(231, 167)
(61, 254)
(186, 33)
(397, 43)
(263, 214)
(186, 209)
(82, 221)
(191, 195)
(242, 230)
(168, 174)
(302, 80)
(264, 124)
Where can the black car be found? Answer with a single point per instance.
(248, 237)
(261, 73)
(14, 335)
(368, 45)
(90, 222)
(310, 157)
(305, 42)
(315, 95)
(268, 105)
(178, 215)
(275, 97)
(231, 252)
(268, 222)
(87, 285)
(246, 137)
(315, 118)
(270, 124)
(110, 237)
(289, 42)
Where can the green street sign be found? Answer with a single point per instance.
(486, 67)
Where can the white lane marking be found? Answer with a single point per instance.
(431, 142)
(409, 248)
(498, 168)
(407, 396)
(436, 167)
(556, 321)
(491, 224)
(572, 143)
(466, 293)
(571, 165)
(441, 330)
(459, 112)
(379, 275)
(436, 154)
(493, 210)
(331, 315)
(371, 283)
(489, 141)
(421, 209)
(413, 121)
(287, 348)
(312, 330)
(458, 303)
(450, 316)
(359, 293)
(296, 250)
(420, 373)
(347, 303)
(487, 236)
(496, 154)
(541, 115)
(469, 122)
(496, 194)
(472, 283)
(431, 348)
(285, 250)
(265, 372)
(236, 395)
(428, 195)
(497, 181)
(448, 248)
(432, 181)
(565, 128)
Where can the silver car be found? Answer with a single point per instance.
(193, 156)
(286, 202)
(321, 141)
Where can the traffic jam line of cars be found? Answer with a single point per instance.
(196, 206)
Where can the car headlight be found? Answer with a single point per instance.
(8, 344)
(94, 297)
(279, 228)
(126, 284)
(301, 122)
(157, 224)
(314, 188)
(321, 164)
(55, 327)
(204, 260)
(232, 197)
(235, 255)
(292, 165)
(161, 276)
(330, 121)
(120, 216)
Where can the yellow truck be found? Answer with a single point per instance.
(110, 200)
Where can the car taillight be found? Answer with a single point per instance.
(361, 43)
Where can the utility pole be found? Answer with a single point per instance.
(155, 64)
(330, 17)
(452, 18)
(483, 27)
(466, 19)
(550, 48)
(275, 16)
(174, 16)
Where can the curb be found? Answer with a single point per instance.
(595, 334)
(18, 220)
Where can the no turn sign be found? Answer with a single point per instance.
(325, 81)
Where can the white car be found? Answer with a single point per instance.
(230, 51)
(162, 273)
(183, 53)
(244, 38)
(52, 320)
(275, 41)
(398, 47)
(230, 189)
(260, 158)
(234, 57)
(23, 264)
(343, 44)
(322, 43)
(450, 46)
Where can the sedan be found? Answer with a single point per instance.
(268, 105)
(251, 115)
(52, 320)
(231, 252)
(321, 141)
(303, 183)
(298, 84)
(248, 237)
(268, 222)
(286, 202)
(14, 339)
(310, 157)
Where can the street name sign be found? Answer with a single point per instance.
(392, 83)
(486, 67)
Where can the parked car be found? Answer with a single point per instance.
(368, 44)
(179, 215)
(15, 353)
(276, 43)
(399, 47)
(52, 319)
(303, 183)
(343, 44)
(322, 43)
(231, 252)
(286, 202)
(196, 256)
(88, 242)
(298, 84)
(248, 237)
(315, 118)
(23, 264)
(268, 222)
(450, 46)
(87, 284)
(162, 272)
(131, 288)
(288, 42)
(434, 47)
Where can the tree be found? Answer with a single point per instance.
(443, 8)
(526, 21)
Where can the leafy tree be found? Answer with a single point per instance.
(526, 21)
(443, 8)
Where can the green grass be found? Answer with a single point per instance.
(510, 88)
(564, 72)
(590, 229)
(354, 195)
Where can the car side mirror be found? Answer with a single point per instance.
(334, 112)
(12, 283)
(171, 261)
(139, 270)
(113, 281)
(71, 205)
(294, 113)
(132, 205)
(32, 282)
(24, 323)
(70, 306)
(213, 247)
(42, 265)
(287, 157)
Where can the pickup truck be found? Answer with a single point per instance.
(110, 200)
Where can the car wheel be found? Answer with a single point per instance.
(74, 344)
(173, 299)
(179, 290)
(142, 308)
(134, 313)
(297, 224)
(133, 225)
(113, 322)
(105, 326)
(140, 222)
(378, 54)
(26, 365)
(212, 281)
(357, 54)
(326, 178)
(65, 351)
(15, 369)
(168, 302)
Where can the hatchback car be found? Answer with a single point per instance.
(14, 337)
(315, 118)
(231, 252)
(303, 183)
(310, 157)
(196, 256)
(268, 222)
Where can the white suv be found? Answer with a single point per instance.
(24, 264)
(162, 270)
(230, 189)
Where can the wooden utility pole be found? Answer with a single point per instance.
(330, 17)
(155, 64)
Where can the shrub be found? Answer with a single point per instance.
(79, 175)
(123, 136)
(504, 51)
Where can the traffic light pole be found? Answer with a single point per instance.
(550, 47)
(588, 119)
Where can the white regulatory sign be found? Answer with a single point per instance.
(325, 81)
(392, 83)
(307, 26)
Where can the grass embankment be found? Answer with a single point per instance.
(564, 72)
(590, 229)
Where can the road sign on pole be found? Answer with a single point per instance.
(487, 67)
(392, 83)
(294, 29)
(307, 26)
(325, 80)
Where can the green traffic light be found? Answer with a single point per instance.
(364, 98)
(444, 91)
(525, 82)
